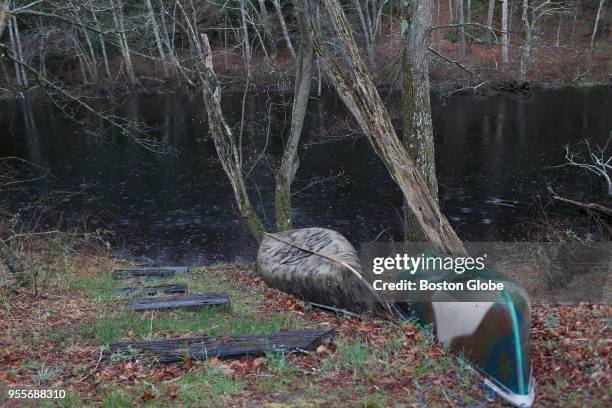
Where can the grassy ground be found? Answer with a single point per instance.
(54, 342)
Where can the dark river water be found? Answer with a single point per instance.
(495, 157)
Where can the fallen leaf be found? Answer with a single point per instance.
(147, 396)
(214, 361)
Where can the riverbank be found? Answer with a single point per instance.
(54, 341)
(279, 79)
(552, 65)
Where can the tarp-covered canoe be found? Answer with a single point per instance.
(317, 265)
(320, 266)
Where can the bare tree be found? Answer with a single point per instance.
(461, 22)
(266, 23)
(505, 34)
(598, 160)
(81, 56)
(531, 15)
(93, 61)
(157, 35)
(246, 42)
(281, 19)
(370, 17)
(526, 49)
(289, 162)
(356, 88)
(490, 14)
(228, 149)
(102, 45)
(124, 46)
(418, 136)
(225, 144)
(597, 18)
(15, 38)
(4, 15)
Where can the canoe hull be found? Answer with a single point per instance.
(493, 337)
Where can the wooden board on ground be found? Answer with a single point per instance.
(184, 301)
(205, 347)
(152, 290)
(148, 273)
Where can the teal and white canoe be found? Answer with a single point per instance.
(492, 337)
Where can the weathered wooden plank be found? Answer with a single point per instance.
(152, 290)
(204, 347)
(148, 273)
(184, 301)
(179, 269)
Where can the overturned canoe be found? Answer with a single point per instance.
(317, 265)
(493, 335)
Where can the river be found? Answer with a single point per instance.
(495, 156)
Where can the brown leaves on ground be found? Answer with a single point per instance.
(571, 353)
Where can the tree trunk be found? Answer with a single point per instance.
(118, 18)
(358, 91)
(490, 14)
(169, 42)
(469, 11)
(24, 76)
(576, 11)
(378, 18)
(20, 75)
(102, 46)
(279, 13)
(265, 19)
(558, 40)
(366, 32)
(418, 138)
(4, 16)
(158, 41)
(5, 71)
(82, 58)
(505, 40)
(450, 12)
(597, 18)
(526, 49)
(289, 163)
(225, 144)
(320, 83)
(371, 33)
(461, 22)
(246, 42)
(93, 66)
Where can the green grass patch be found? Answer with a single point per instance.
(240, 317)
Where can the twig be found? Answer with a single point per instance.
(588, 206)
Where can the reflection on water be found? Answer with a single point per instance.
(494, 157)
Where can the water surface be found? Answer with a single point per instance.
(494, 155)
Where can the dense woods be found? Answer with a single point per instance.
(154, 43)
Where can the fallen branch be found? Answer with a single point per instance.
(588, 206)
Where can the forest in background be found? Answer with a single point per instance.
(149, 44)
